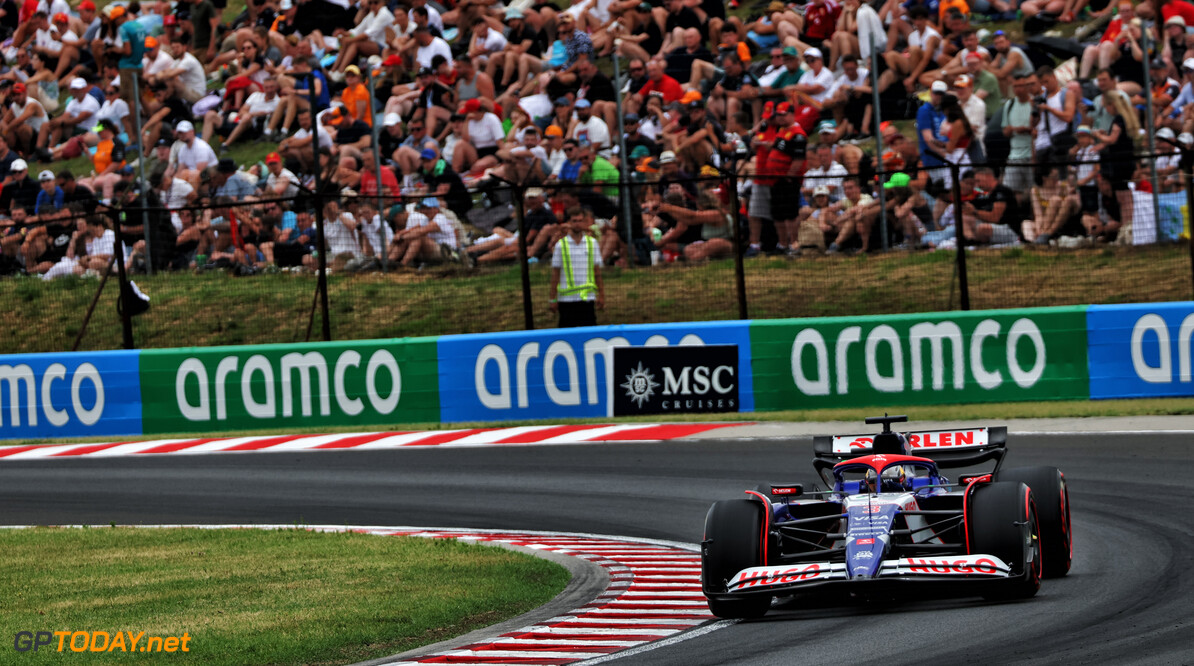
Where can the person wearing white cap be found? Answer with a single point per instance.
(817, 83)
(77, 119)
(1175, 39)
(51, 197)
(390, 136)
(929, 120)
(818, 221)
(194, 154)
(19, 189)
(426, 230)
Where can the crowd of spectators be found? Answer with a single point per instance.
(408, 127)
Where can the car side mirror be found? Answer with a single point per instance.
(786, 489)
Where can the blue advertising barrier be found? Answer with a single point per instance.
(557, 374)
(1141, 350)
(70, 395)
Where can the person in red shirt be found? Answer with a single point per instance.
(759, 210)
(1103, 53)
(658, 82)
(389, 182)
(820, 22)
(785, 169)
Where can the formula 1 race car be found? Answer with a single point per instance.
(890, 519)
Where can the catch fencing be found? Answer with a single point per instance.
(691, 256)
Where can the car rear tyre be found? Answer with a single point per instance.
(1052, 499)
(1002, 521)
(733, 542)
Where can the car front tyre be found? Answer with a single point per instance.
(733, 542)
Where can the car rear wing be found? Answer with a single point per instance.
(958, 447)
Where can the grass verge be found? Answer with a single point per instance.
(994, 413)
(217, 309)
(257, 596)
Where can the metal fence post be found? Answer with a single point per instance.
(736, 221)
(376, 163)
(960, 237)
(528, 307)
(145, 187)
(622, 163)
(322, 279)
(1151, 130)
(126, 317)
(878, 120)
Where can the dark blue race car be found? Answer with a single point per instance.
(890, 519)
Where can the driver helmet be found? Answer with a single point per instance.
(870, 481)
(896, 475)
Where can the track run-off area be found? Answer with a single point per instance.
(1126, 600)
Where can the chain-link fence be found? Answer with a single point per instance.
(674, 248)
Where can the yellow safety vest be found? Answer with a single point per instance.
(589, 288)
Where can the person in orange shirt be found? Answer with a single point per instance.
(945, 5)
(108, 160)
(356, 96)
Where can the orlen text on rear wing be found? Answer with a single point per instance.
(958, 447)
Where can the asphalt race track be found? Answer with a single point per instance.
(1128, 599)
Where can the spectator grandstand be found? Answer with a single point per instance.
(426, 131)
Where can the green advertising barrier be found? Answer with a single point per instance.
(939, 358)
(290, 386)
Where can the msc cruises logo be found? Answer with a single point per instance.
(640, 385)
(668, 380)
